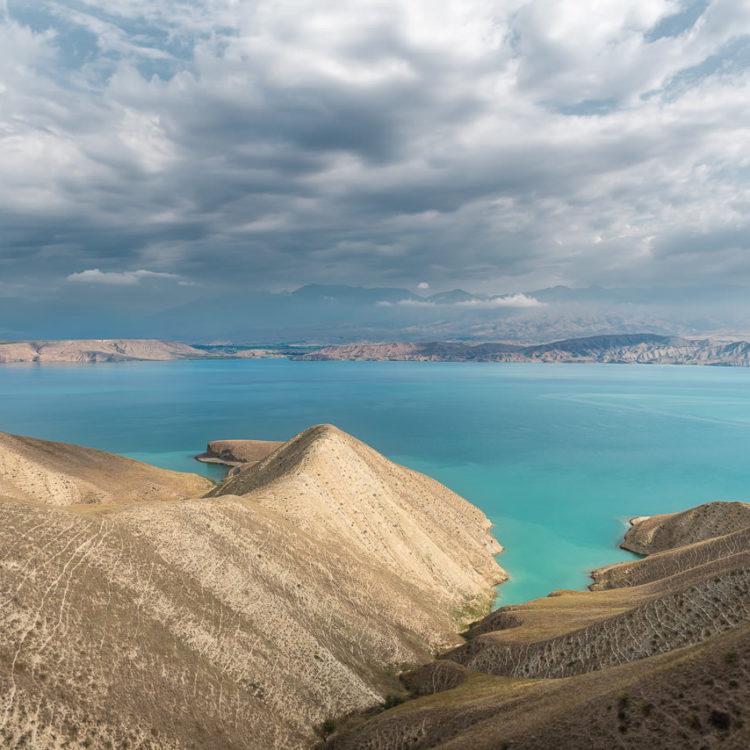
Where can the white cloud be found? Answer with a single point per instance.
(121, 278)
(423, 285)
(506, 300)
(476, 140)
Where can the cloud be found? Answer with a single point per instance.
(121, 278)
(495, 145)
(509, 300)
(423, 285)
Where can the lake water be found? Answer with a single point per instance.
(558, 456)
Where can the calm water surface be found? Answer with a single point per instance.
(558, 456)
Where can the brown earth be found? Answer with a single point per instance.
(657, 659)
(659, 533)
(295, 592)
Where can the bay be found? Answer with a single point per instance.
(558, 456)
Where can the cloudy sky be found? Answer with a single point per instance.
(502, 146)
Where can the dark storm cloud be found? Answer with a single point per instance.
(507, 145)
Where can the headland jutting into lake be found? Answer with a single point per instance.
(303, 598)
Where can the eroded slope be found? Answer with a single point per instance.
(695, 697)
(63, 474)
(234, 620)
(658, 658)
(666, 532)
(339, 489)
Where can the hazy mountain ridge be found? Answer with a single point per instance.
(120, 350)
(338, 313)
(633, 348)
(641, 348)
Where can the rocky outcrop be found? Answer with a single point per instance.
(295, 592)
(237, 452)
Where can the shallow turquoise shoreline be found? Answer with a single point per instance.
(558, 456)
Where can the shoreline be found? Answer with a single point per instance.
(205, 458)
(639, 348)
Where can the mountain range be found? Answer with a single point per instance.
(325, 314)
(643, 348)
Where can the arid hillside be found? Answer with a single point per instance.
(705, 522)
(61, 474)
(337, 488)
(96, 350)
(626, 348)
(657, 657)
(294, 593)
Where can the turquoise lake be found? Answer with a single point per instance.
(557, 456)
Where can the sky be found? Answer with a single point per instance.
(184, 149)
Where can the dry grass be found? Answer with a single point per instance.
(659, 664)
(235, 621)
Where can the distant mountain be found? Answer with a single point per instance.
(649, 296)
(636, 348)
(338, 314)
(340, 293)
(641, 348)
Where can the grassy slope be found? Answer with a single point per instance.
(660, 664)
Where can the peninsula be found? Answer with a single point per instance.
(150, 608)
(656, 656)
(316, 596)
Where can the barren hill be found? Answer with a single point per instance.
(62, 474)
(665, 532)
(630, 348)
(659, 658)
(337, 488)
(240, 620)
(96, 350)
